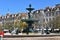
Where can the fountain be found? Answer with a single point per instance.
(29, 21)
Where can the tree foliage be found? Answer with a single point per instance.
(0, 27)
(23, 25)
(16, 24)
(20, 24)
(7, 25)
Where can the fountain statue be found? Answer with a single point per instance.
(29, 21)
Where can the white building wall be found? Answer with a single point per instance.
(46, 19)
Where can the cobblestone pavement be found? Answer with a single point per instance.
(34, 38)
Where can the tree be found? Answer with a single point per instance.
(7, 25)
(0, 27)
(16, 24)
(21, 25)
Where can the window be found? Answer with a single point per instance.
(56, 13)
(46, 19)
(46, 14)
(49, 19)
(43, 20)
(53, 18)
(52, 14)
(49, 14)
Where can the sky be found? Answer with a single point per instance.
(15, 6)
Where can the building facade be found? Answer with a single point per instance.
(11, 18)
(46, 15)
